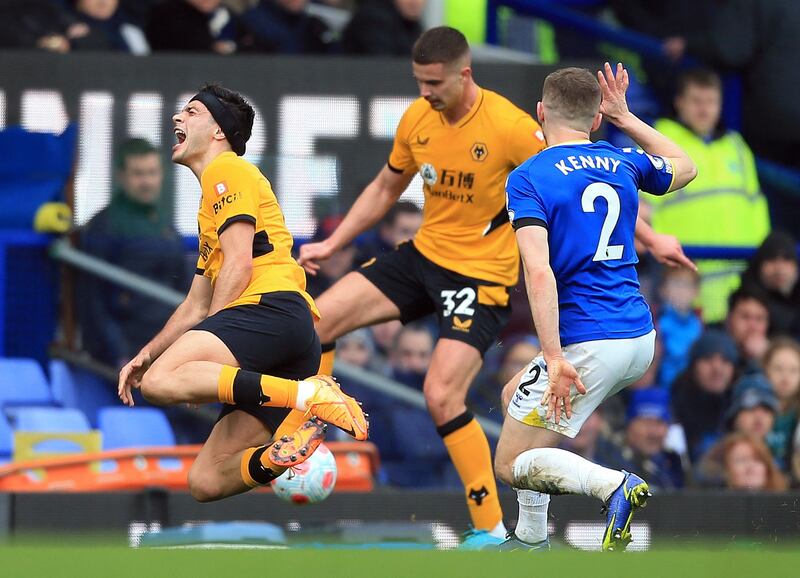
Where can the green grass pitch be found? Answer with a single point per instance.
(42, 560)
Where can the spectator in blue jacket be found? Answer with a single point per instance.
(678, 324)
(643, 451)
(285, 27)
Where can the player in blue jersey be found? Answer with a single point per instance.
(574, 208)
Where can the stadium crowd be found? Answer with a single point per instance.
(720, 404)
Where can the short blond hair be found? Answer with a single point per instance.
(572, 94)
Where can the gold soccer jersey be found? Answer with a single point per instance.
(464, 166)
(235, 190)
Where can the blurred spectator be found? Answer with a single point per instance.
(109, 28)
(384, 27)
(753, 408)
(192, 26)
(773, 271)
(284, 26)
(782, 367)
(701, 393)
(39, 24)
(726, 187)
(748, 323)
(358, 348)
(384, 334)
(411, 355)
(484, 396)
(339, 264)
(399, 225)
(740, 462)
(591, 442)
(643, 450)
(678, 324)
(755, 38)
(132, 233)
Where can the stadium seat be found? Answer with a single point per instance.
(51, 420)
(6, 441)
(77, 388)
(34, 168)
(124, 427)
(22, 382)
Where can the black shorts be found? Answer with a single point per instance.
(468, 309)
(275, 337)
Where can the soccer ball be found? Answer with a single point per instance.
(310, 482)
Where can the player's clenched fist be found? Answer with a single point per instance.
(311, 253)
(561, 375)
(130, 376)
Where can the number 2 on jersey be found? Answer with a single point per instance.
(604, 252)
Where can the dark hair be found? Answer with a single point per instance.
(745, 293)
(414, 327)
(241, 110)
(400, 208)
(440, 45)
(702, 77)
(574, 95)
(132, 147)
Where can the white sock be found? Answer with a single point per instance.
(554, 471)
(499, 531)
(305, 389)
(532, 523)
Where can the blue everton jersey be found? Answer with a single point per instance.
(586, 195)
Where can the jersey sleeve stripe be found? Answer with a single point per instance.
(199, 271)
(261, 244)
(499, 220)
(236, 218)
(394, 169)
(528, 222)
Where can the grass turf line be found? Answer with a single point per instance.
(83, 562)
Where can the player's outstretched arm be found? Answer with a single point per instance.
(666, 249)
(189, 313)
(372, 204)
(543, 297)
(614, 107)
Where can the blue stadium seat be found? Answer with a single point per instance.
(6, 441)
(51, 420)
(22, 382)
(125, 427)
(34, 168)
(77, 388)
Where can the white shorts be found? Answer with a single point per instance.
(606, 367)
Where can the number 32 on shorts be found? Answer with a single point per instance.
(458, 302)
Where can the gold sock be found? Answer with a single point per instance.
(256, 470)
(278, 392)
(225, 383)
(326, 362)
(469, 450)
(242, 387)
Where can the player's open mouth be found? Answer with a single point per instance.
(181, 136)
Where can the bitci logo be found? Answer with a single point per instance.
(221, 188)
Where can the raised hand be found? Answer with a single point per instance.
(613, 86)
(311, 253)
